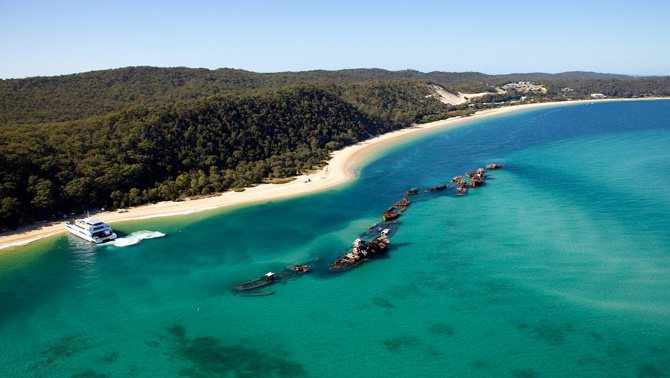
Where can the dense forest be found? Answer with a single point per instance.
(135, 135)
(78, 96)
(147, 154)
(72, 97)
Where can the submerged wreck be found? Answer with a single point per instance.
(271, 278)
(394, 211)
(362, 251)
(371, 243)
(477, 178)
(462, 188)
(494, 166)
(437, 188)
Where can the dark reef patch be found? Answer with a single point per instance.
(59, 349)
(88, 373)
(216, 360)
(649, 371)
(441, 329)
(110, 357)
(525, 373)
(554, 335)
(396, 343)
(549, 333)
(480, 365)
(66, 346)
(178, 331)
(597, 336)
(382, 303)
(616, 349)
(210, 358)
(657, 349)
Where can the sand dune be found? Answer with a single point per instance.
(456, 99)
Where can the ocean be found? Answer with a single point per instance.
(558, 267)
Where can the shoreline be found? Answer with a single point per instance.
(339, 170)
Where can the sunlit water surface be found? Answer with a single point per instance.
(558, 267)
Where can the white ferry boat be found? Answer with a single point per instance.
(91, 229)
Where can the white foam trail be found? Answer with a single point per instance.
(137, 237)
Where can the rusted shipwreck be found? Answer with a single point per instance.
(271, 278)
(461, 185)
(494, 166)
(462, 188)
(437, 188)
(362, 251)
(477, 178)
(394, 211)
(433, 189)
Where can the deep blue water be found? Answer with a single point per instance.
(558, 267)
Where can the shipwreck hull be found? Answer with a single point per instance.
(257, 283)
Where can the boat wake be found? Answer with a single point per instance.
(137, 237)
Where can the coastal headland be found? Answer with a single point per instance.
(340, 169)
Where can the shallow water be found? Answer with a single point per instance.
(557, 267)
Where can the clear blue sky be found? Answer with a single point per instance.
(45, 38)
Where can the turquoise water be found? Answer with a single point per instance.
(558, 267)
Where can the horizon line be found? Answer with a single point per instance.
(333, 70)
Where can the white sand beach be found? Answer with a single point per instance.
(340, 169)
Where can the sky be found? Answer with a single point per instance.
(49, 38)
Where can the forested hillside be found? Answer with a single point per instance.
(72, 97)
(78, 96)
(129, 136)
(147, 154)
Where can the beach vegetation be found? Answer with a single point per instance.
(333, 146)
(282, 181)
